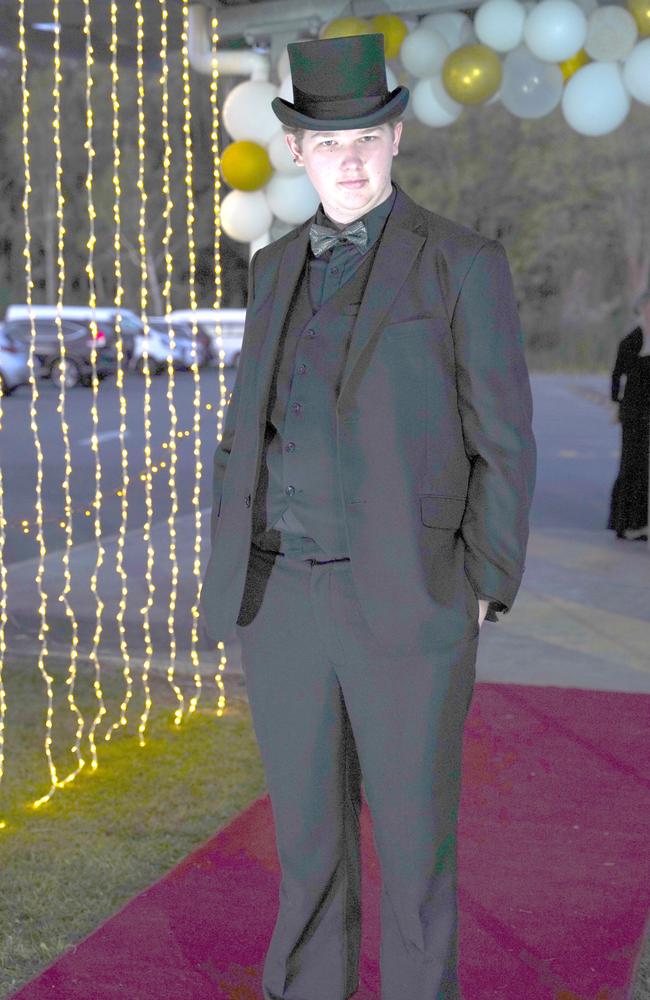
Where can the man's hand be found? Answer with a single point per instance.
(483, 606)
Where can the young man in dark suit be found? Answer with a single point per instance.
(371, 497)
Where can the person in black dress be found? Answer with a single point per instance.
(628, 513)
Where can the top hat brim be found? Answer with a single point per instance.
(290, 116)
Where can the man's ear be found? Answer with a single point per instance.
(293, 146)
(397, 136)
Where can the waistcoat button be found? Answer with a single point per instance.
(311, 333)
(296, 407)
(290, 447)
(302, 369)
(290, 490)
(247, 500)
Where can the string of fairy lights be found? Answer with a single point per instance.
(168, 462)
(191, 246)
(216, 161)
(122, 492)
(173, 416)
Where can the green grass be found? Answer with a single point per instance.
(68, 865)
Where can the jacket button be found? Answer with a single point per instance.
(247, 500)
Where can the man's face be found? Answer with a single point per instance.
(350, 168)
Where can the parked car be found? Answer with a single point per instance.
(106, 319)
(184, 347)
(231, 323)
(78, 340)
(14, 369)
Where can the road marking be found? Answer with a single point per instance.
(104, 436)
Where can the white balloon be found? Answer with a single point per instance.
(636, 72)
(423, 52)
(247, 112)
(555, 30)
(454, 26)
(530, 88)
(432, 105)
(286, 89)
(500, 24)
(595, 100)
(283, 67)
(245, 215)
(611, 34)
(280, 155)
(292, 199)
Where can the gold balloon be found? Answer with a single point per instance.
(640, 11)
(342, 26)
(245, 165)
(572, 65)
(394, 31)
(472, 74)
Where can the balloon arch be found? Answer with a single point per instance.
(590, 60)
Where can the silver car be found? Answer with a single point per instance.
(14, 367)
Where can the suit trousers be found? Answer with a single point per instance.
(331, 710)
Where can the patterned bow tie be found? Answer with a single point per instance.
(324, 237)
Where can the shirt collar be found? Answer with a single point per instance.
(374, 219)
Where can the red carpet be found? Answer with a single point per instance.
(554, 872)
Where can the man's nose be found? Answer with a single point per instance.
(352, 155)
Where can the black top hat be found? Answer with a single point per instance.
(339, 83)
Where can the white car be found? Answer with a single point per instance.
(228, 322)
(157, 344)
(14, 367)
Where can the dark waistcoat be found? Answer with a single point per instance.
(298, 507)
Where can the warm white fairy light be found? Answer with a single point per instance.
(124, 456)
(196, 494)
(142, 244)
(29, 284)
(171, 376)
(94, 441)
(216, 160)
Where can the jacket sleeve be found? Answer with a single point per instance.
(222, 451)
(620, 367)
(495, 403)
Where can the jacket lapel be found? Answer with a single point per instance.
(398, 248)
(290, 266)
(396, 254)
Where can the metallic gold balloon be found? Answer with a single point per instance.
(394, 31)
(246, 165)
(572, 65)
(342, 26)
(472, 74)
(640, 11)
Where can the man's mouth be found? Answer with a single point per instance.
(354, 183)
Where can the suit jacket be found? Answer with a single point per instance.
(436, 454)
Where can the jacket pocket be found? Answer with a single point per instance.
(442, 512)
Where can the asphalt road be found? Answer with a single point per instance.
(577, 464)
(581, 618)
(19, 456)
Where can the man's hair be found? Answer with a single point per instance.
(299, 133)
